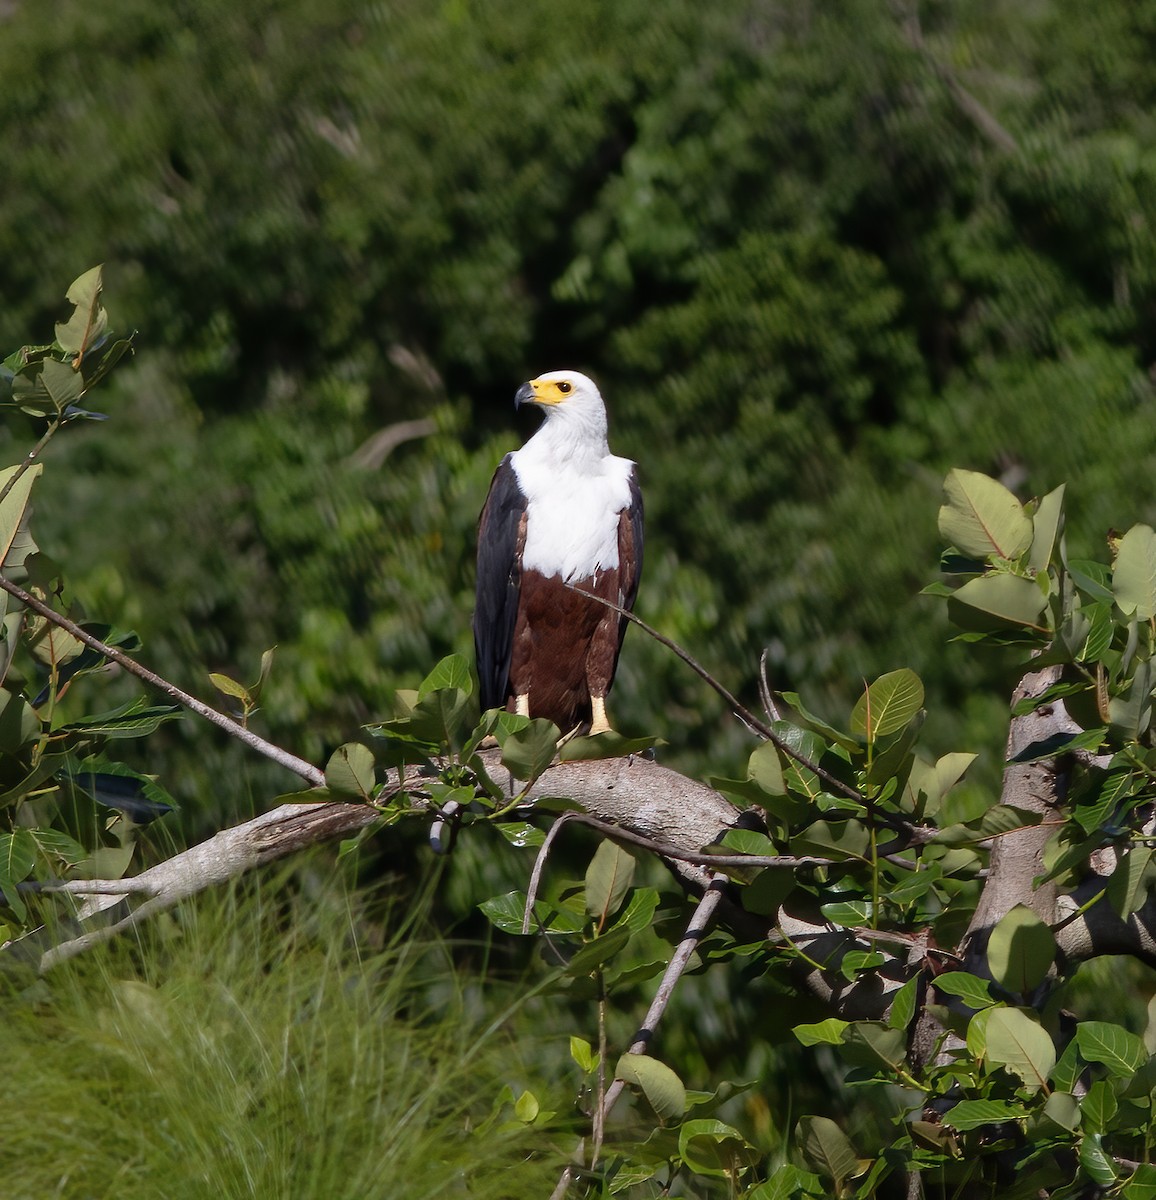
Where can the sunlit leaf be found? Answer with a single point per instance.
(1134, 573)
(888, 704)
(1119, 1050)
(1018, 1042)
(662, 1088)
(982, 518)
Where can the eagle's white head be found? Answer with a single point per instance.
(575, 423)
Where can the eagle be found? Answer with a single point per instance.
(563, 517)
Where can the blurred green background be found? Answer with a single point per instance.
(814, 253)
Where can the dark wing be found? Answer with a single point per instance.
(501, 537)
(629, 552)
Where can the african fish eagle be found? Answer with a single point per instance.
(561, 511)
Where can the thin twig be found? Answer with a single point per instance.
(768, 701)
(30, 458)
(745, 715)
(539, 864)
(703, 915)
(299, 766)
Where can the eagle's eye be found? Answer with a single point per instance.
(565, 387)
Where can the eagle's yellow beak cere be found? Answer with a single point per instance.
(562, 524)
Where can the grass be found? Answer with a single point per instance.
(252, 1048)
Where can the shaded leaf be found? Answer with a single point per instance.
(826, 1149)
(710, 1147)
(1021, 950)
(350, 771)
(972, 1114)
(608, 879)
(528, 751)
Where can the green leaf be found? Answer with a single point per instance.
(1018, 1042)
(1047, 521)
(765, 768)
(526, 1108)
(874, 1044)
(888, 705)
(1064, 1109)
(1130, 883)
(904, 1004)
(350, 771)
(1008, 598)
(17, 858)
(13, 506)
(832, 839)
(854, 913)
(710, 1147)
(507, 913)
(822, 1033)
(528, 752)
(1021, 950)
(972, 1114)
(137, 718)
(600, 950)
(1142, 1183)
(662, 1088)
(610, 744)
(973, 991)
(453, 672)
(766, 892)
(88, 320)
(63, 383)
(1102, 1042)
(1095, 1161)
(521, 833)
(583, 1054)
(982, 518)
(230, 687)
(1098, 1107)
(826, 1149)
(608, 879)
(1134, 573)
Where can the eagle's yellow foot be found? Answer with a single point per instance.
(599, 722)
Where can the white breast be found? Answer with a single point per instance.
(572, 515)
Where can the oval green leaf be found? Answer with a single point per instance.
(1021, 950)
(826, 1149)
(888, 705)
(349, 771)
(663, 1089)
(1134, 575)
(608, 879)
(982, 518)
(1019, 1043)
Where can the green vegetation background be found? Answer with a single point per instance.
(815, 253)
(790, 240)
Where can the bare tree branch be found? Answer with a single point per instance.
(298, 766)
